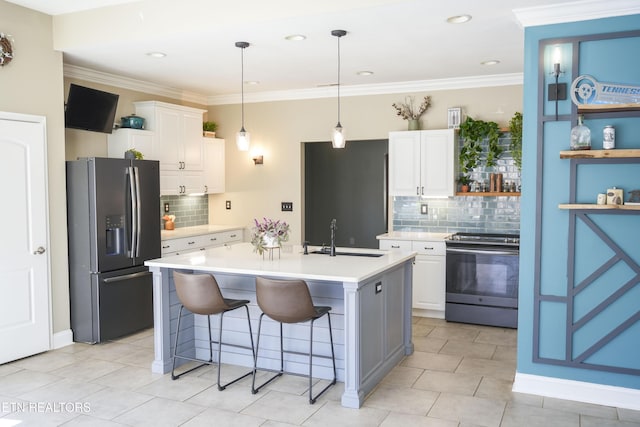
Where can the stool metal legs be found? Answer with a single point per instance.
(253, 352)
(312, 398)
(219, 342)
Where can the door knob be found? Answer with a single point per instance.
(39, 251)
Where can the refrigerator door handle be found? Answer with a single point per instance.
(126, 277)
(138, 220)
(134, 214)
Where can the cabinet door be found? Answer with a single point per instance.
(437, 172)
(404, 163)
(213, 165)
(170, 183)
(429, 274)
(192, 151)
(168, 131)
(192, 181)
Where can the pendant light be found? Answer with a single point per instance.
(243, 137)
(338, 136)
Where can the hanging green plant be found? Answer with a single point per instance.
(515, 129)
(474, 132)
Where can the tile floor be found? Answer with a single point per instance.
(459, 376)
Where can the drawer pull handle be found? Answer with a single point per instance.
(166, 247)
(213, 239)
(232, 235)
(395, 246)
(191, 243)
(428, 249)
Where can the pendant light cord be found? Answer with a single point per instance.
(242, 83)
(338, 80)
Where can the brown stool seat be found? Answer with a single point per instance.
(289, 301)
(200, 294)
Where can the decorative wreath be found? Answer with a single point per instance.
(6, 51)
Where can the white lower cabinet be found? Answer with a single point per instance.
(429, 274)
(200, 242)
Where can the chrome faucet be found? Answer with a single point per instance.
(333, 229)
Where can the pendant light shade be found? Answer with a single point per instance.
(338, 139)
(243, 138)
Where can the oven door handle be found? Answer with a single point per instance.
(483, 252)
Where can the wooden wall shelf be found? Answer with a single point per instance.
(601, 154)
(593, 206)
(488, 194)
(605, 108)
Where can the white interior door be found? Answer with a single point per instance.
(24, 260)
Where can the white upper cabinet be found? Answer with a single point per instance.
(422, 163)
(214, 165)
(178, 145)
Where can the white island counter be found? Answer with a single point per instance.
(370, 297)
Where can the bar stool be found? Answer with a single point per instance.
(289, 301)
(200, 294)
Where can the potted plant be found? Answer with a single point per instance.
(268, 234)
(209, 129)
(132, 153)
(464, 182)
(515, 129)
(407, 111)
(474, 132)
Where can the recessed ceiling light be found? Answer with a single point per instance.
(364, 73)
(295, 37)
(490, 62)
(156, 54)
(459, 19)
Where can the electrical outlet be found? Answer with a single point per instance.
(228, 204)
(424, 209)
(166, 207)
(287, 206)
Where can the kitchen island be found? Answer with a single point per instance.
(369, 292)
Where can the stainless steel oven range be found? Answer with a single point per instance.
(482, 279)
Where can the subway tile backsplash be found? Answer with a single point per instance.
(189, 210)
(467, 214)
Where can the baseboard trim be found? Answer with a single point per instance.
(62, 339)
(598, 394)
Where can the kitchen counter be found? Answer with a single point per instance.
(370, 297)
(413, 235)
(196, 231)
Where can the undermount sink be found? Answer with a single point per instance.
(367, 254)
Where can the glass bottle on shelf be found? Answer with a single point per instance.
(580, 136)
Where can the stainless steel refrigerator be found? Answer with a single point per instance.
(113, 215)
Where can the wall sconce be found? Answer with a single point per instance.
(557, 91)
(258, 160)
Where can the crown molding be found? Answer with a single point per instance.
(374, 89)
(100, 77)
(575, 11)
(290, 95)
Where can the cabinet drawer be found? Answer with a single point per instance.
(429, 248)
(231, 236)
(182, 244)
(395, 245)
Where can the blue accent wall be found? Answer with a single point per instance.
(545, 174)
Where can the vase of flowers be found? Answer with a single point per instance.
(407, 111)
(268, 234)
